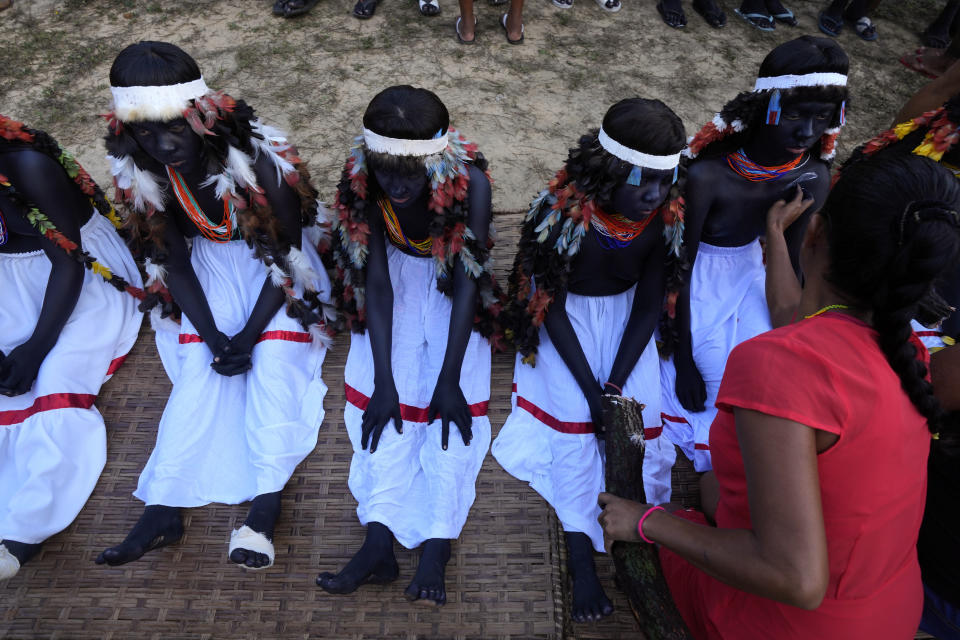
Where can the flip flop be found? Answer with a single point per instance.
(456, 27)
(864, 27)
(713, 15)
(503, 23)
(760, 21)
(914, 62)
(786, 18)
(293, 8)
(429, 8)
(829, 25)
(562, 4)
(610, 6)
(364, 9)
(673, 18)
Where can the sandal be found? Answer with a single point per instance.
(711, 13)
(611, 6)
(865, 28)
(672, 17)
(761, 21)
(293, 8)
(503, 23)
(496, 3)
(783, 16)
(562, 4)
(456, 27)
(364, 9)
(429, 7)
(829, 24)
(914, 62)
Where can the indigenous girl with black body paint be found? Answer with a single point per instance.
(763, 146)
(222, 210)
(823, 430)
(586, 293)
(414, 284)
(68, 318)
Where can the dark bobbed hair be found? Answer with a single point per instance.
(151, 63)
(648, 126)
(893, 229)
(806, 54)
(403, 111)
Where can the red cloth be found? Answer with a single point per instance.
(828, 373)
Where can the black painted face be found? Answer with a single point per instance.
(171, 143)
(637, 202)
(403, 189)
(801, 125)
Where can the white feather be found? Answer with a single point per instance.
(122, 169)
(737, 125)
(319, 336)
(277, 276)
(240, 168)
(159, 323)
(224, 184)
(156, 273)
(303, 274)
(273, 143)
(146, 189)
(719, 122)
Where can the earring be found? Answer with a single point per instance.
(773, 109)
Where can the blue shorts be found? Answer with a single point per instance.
(940, 618)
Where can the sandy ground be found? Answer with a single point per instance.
(525, 105)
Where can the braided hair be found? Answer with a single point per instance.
(586, 183)
(893, 226)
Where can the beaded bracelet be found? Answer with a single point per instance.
(644, 517)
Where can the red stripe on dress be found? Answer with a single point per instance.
(570, 427)
(289, 336)
(929, 334)
(48, 403)
(699, 446)
(670, 418)
(408, 412)
(112, 369)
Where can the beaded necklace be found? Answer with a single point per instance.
(397, 237)
(223, 232)
(747, 168)
(4, 236)
(829, 307)
(615, 231)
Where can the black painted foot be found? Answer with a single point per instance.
(21, 550)
(374, 563)
(158, 527)
(262, 517)
(590, 602)
(428, 585)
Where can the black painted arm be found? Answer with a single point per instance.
(448, 401)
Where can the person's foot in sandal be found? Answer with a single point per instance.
(928, 62)
(864, 28)
(829, 23)
(562, 4)
(672, 13)
(429, 8)
(756, 14)
(514, 35)
(780, 13)
(293, 8)
(710, 12)
(466, 30)
(610, 6)
(365, 9)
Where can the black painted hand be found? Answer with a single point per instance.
(19, 369)
(449, 405)
(229, 359)
(691, 392)
(384, 405)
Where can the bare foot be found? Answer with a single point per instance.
(428, 585)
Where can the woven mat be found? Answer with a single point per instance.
(505, 579)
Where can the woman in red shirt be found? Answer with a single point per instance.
(821, 441)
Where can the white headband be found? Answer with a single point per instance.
(805, 80)
(155, 102)
(637, 158)
(403, 147)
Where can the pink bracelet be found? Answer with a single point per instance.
(644, 517)
(610, 384)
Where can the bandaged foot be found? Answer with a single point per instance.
(590, 603)
(159, 526)
(374, 563)
(9, 565)
(251, 546)
(428, 586)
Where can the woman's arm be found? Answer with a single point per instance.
(782, 284)
(448, 401)
(945, 375)
(646, 309)
(43, 182)
(384, 401)
(784, 556)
